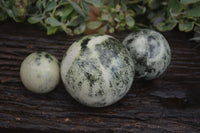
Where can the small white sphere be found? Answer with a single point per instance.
(150, 52)
(97, 70)
(40, 72)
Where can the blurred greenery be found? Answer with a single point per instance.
(73, 16)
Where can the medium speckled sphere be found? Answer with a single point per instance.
(40, 72)
(97, 70)
(150, 52)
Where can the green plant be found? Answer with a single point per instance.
(16, 9)
(165, 15)
(113, 16)
(63, 15)
(73, 16)
(184, 14)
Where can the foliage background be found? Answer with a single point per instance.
(77, 16)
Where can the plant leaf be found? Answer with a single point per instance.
(105, 17)
(94, 24)
(111, 30)
(44, 3)
(65, 12)
(77, 8)
(35, 19)
(186, 26)
(76, 20)
(174, 5)
(154, 4)
(167, 26)
(66, 30)
(97, 3)
(130, 21)
(39, 4)
(111, 3)
(139, 9)
(85, 7)
(103, 29)
(10, 13)
(121, 16)
(53, 21)
(189, 1)
(194, 12)
(3, 15)
(51, 30)
(50, 5)
(80, 29)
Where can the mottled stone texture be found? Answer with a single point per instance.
(40, 72)
(150, 52)
(97, 70)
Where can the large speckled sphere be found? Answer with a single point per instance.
(97, 70)
(40, 72)
(150, 52)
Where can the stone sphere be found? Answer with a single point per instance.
(150, 53)
(40, 72)
(97, 70)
